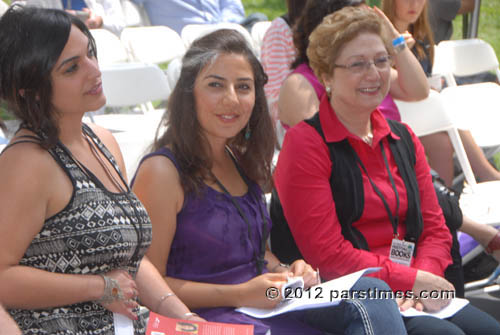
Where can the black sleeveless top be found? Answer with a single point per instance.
(96, 232)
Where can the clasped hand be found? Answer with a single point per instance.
(129, 292)
(264, 291)
(428, 283)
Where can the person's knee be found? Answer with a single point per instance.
(424, 325)
(365, 283)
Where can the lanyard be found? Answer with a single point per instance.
(393, 218)
(259, 258)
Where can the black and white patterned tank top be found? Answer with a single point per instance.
(96, 232)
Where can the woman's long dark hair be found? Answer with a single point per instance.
(184, 134)
(311, 17)
(31, 41)
(295, 8)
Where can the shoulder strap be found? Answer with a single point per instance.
(102, 148)
(160, 152)
(22, 139)
(348, 185)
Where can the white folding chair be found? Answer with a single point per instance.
(173, 72)
(109, 47)
(258, 31)
(3, 138)
(192, 32)
(464, 58)
(479, 201)
(135, 15)
(130, 84)
(475, 106)
(153, 44)
(3, 7)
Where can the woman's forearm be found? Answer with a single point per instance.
(410, 82)
(30, 288)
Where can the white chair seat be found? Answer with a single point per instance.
(481, 202)
(476, 107)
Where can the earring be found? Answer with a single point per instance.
(328, 90)
(248, 132)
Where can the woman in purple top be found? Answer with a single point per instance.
(202, 189)
(301, 91)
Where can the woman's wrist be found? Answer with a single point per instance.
(280, 267)
(398, 44)
(493, 244)
(95, 286)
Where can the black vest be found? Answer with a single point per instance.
(348, 193)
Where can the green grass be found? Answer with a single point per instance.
(489, 24)
(272, 8)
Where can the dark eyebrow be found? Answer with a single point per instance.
(214, 76)
(224, 79)
(67, 61)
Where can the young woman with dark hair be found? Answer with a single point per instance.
(72, 234)
(202, 187)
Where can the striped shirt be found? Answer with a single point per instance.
(278, 53)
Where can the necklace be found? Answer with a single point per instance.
(368, 138)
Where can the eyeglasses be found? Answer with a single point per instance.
(361, 66)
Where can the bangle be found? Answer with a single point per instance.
(163, 298)
(398, 44)
(494, 244)
(112, 291)
(187, 315)
(283, 265)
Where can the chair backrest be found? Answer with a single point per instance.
(192, 32)
(3, 138)
(134, 14)
(465, 58)
(3, 7)
(130, 84)
(258, 31)
(173, 72)
(109, 47)
(430, 116)
(152, 44)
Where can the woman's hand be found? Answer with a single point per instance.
(393, 32)
(262, 291)
(128, 289)
(94, 21)
(406, 303)
(427, 283)
(300, 268)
